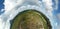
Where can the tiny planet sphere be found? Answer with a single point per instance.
(30, 19)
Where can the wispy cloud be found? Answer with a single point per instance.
(56, 5)
(58, 15)
(58, 27)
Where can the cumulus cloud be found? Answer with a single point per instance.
(49, 6)
(9, 4)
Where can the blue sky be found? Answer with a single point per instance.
(58, 10)
(1, 6)
(55, 12)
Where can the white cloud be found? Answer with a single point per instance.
(48, 6)
(10, 4)
(1, 23)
